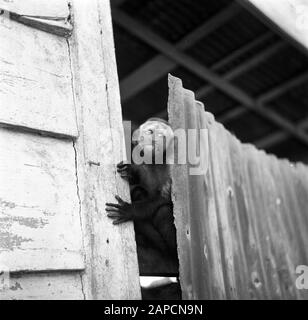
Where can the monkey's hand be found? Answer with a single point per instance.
(125, 170)
(120, 212)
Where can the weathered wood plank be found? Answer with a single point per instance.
(204, 229)
(218, 157)
(111, 259)
(301, 185)
(212, 246)
(233, 183)
(258, 284)
(60, 27)
(195, 227)
(200, 183)
(49, 16)
(279, 231)
(35, 81)
(180, 195)
(38, 8)
(266, 219)
(39, 206)
(44, 286)
(247, 235)
(242, 227)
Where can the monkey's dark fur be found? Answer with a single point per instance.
(151, 208)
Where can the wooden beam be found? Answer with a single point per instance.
(52, 17)
(281, 89)
(61, 28)
(232, 114)
(221, 63)
(244, 67)
(111, 260)
(204, 73)
(267, 96)
(242, 50)
(278, 136)
(181, 58)
(116, 3)
(37, 8)
(161, 65)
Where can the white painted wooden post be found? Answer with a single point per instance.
(111, 264)
(61, 136)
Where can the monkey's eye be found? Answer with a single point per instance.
(150, 131)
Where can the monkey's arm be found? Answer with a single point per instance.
(129, 172)
(157, 211)
(138, 210)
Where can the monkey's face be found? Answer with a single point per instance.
(153, 137)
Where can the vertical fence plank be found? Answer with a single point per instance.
(282, 247)
(111, 259)
(197, 203)
(242, 226)
(255, 251)
(209, 224)
(218, 156)
(273, 260)
(180, 197)
(235, 210)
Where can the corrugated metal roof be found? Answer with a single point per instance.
(173, 19)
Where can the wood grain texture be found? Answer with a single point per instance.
(59, 27)
(39, 220)
(49, 16)
(44, 286)
(111, 260)
(35, 81)
(38, 8)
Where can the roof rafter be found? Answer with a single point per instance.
(265, 97)
(160, 65)
(279, 136)
(116, 2)
(244, 67)
(205, 73)
(223, 62)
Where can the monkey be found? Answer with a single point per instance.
(150, 186)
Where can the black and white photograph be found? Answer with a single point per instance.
(154, 150)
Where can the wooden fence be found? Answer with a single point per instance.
(243, 223)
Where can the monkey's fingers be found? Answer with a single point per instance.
(115, 215)
(121, 164)
(118, 221)
(113, 205)
(125, 176)
(122, 168)
(121, 202)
